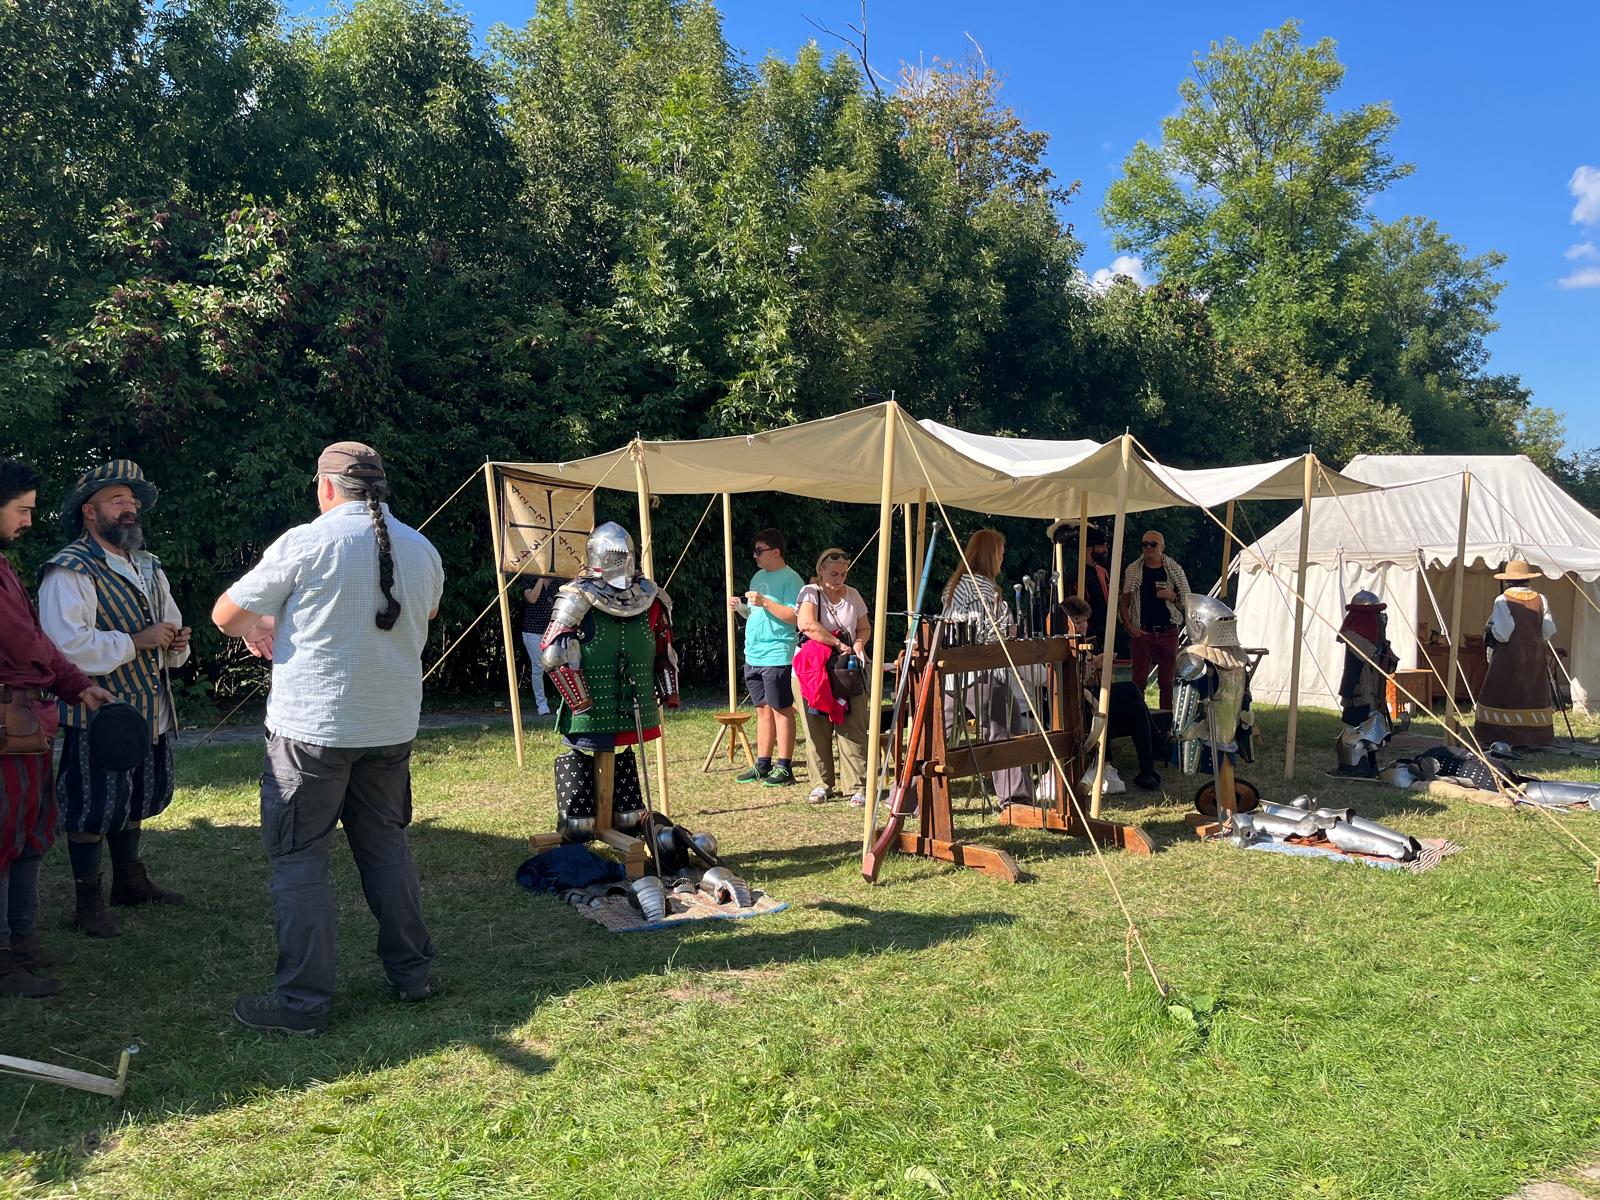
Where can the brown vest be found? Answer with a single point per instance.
(1514, 702)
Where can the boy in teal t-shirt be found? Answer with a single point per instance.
(769, 638)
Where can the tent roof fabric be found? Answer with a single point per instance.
(1514, 511)
(1161, 486)
(841, 458)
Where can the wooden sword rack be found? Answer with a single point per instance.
(926, 763)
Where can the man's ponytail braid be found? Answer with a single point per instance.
(380, 528)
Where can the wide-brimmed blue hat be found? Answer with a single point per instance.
(118, 471)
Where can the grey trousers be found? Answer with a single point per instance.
(306, 792)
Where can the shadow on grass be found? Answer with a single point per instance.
(168, 983)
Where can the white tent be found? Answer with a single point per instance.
(1401, 543)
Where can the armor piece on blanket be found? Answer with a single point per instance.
(1369, 661)
(610, 628)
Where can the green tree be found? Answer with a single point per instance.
(1255, 195)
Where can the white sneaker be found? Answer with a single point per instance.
(859, 800)
(819, 794)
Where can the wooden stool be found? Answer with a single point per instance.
(732, 732)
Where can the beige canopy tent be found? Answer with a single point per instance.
(878, 453)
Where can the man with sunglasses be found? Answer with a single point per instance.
(769, 640)
(1154, 592)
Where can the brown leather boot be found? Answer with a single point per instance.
(132, 885)
(92, 917)
(34, 954)
(18, 983)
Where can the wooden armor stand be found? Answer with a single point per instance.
(631, 849)
(933, 763)
(1205, 825)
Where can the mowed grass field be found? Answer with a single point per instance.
(1354, 1032)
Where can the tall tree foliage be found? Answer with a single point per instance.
(226, 239)
(1257, 200)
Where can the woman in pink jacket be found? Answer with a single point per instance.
(832, 619)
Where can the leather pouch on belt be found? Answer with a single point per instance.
(20, 732)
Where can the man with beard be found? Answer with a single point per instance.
(106, 602)
(29, 667)
(1096, 578)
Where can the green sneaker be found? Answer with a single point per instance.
(778, 777)
(750, 775)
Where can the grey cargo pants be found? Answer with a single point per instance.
(306, 792)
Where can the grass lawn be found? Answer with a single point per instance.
(1372, 1034)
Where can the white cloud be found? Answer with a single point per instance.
(1584, 277)
(1585, 188)
(1582, 250)
(1124, 264)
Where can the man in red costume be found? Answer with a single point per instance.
(30, 667)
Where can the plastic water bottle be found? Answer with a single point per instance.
(852, 663)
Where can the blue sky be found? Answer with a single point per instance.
(1499, 112)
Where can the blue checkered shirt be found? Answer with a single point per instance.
(337, 679)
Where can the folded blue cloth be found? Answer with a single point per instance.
(567, 866)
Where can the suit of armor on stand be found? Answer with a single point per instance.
(1211, 706)
(1369, 660)
(609, 644)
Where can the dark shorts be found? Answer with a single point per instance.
(770, 687)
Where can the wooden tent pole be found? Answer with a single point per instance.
(505, 612)
(1299, 620)
(922, 538)
(1454, 712)
(1227, 553)
(911, 575)
(647, 563)
(1083, 546)
(727, 572)
(1103, 705)
(880, 629)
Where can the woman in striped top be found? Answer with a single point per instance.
(985, 695)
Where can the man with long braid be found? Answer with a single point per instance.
(105, 601)
(341, 608)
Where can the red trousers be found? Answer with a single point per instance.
(27, 806)
(1160, 649)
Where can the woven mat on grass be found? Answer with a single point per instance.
(618, 914)
(1433, 851)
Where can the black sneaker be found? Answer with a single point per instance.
(1148, 781)
(271, 1015)
(779, 776)
(751, 775)
(417, 994)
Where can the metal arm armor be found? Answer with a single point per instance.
(559, 652)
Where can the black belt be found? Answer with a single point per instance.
(7, 693)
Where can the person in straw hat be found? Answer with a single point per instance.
(1514, 704)
(105, 601)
